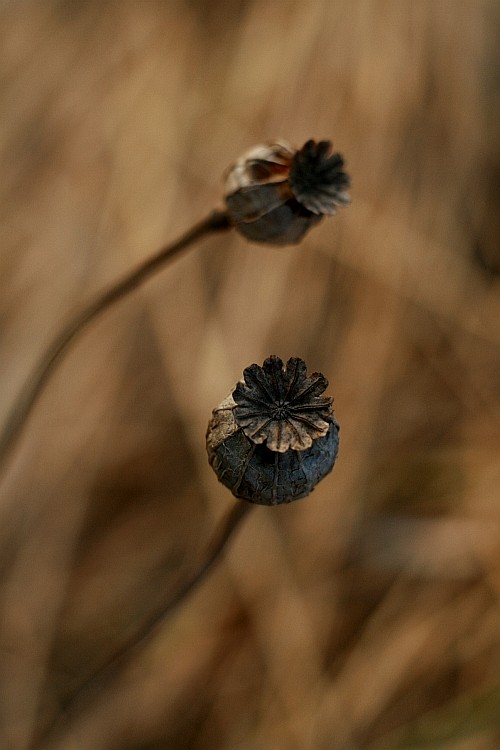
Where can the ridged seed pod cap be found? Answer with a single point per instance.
(274, 437)
(275, 193)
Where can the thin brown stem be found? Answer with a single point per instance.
(35, 384)
(93, 687)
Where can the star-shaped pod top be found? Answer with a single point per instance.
(282, 405)
(275, 193)
(317, 179)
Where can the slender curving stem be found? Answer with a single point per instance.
(93, 687)
(214, 222)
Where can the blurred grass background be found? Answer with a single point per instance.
(366, 617)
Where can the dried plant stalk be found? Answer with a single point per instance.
(216, 221)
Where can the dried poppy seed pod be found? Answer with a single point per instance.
(275, 436)
(275, 193)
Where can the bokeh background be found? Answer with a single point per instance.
(367, 616)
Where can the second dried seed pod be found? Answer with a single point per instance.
(274, 437)
(275, 193)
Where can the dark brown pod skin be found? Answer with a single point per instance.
(284, 225)
(253, 472)
(241, 431)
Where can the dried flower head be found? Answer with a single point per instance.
(275, 436)
(275, 193)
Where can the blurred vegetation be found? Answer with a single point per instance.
(366, 616)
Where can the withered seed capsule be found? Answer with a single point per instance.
(274, 437)
(275, 193)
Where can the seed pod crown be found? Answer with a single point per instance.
(281, 405)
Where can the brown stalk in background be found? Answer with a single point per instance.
(104, 676)
(216, 221)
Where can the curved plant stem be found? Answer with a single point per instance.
(29, 395)
(103, 677)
